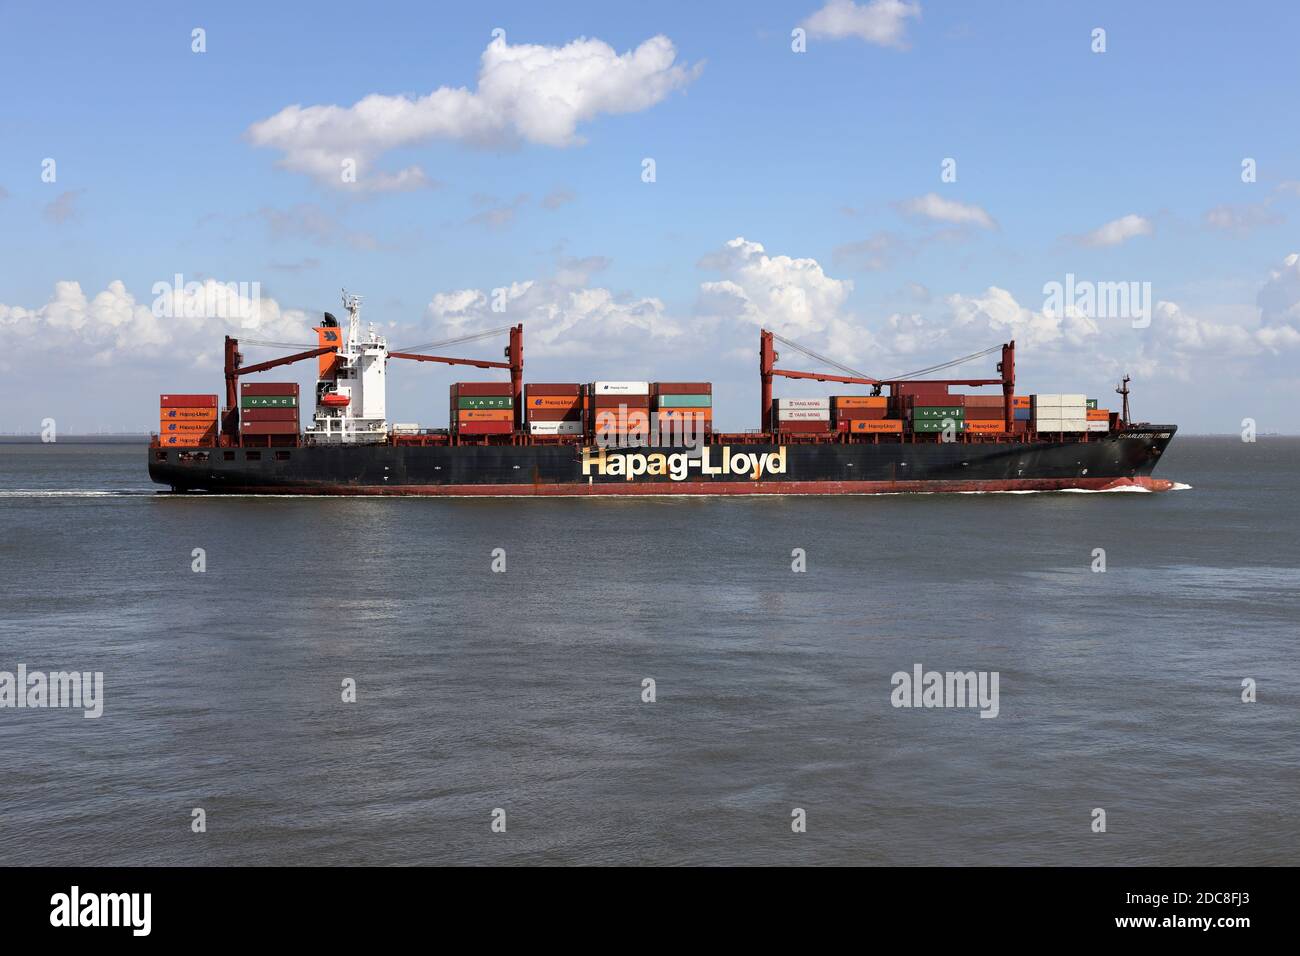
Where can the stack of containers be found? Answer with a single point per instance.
(984, 414)
(683, 406)
(554, 409)
(926, 418)
(187, 420)
(268, 408)
(481, 408)
(620, 408)
(802, 415)
(1021, 408)
(1060, 413)
(864, 415)
(1098, 418)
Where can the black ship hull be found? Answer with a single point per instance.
(1101, 462)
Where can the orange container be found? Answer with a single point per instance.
(486, 415)
(168, 413)
(1020, 401)
(171, 426)
(563, 402)
(1099, 414)
(860, 401)
(983, 427)
(877, 426)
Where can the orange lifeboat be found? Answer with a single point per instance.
(334, 400)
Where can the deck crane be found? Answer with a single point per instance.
(768, 356)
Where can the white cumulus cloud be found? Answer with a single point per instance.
(940, 209)
(525, 92)
(881, 22)
(1117, 231)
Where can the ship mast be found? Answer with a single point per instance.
(1122, 389)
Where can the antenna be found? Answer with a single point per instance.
(1122, 389)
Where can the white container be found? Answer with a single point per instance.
(1061, 425)
(1045, 401)
(400, 428)
(1074, 401)
(1098, 426)
(804, 415)
(555, 428)
(622, 388)
(803, 404)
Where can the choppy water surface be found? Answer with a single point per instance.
(522, 690)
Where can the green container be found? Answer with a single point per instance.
(485, 401)
(938, 412)
(926, 425)
(1092, 403)
(269, 401)
(685, 401)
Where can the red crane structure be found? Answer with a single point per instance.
(234, 367)
(768, 356)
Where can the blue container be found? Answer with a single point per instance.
(1022, 414)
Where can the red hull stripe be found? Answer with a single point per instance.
(716, 488)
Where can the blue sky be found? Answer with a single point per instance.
(829, 159)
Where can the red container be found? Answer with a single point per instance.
(187, 401)
(555, 414)
(485, 428)
(268, 388)
(630, 401)
(268, 415)
(977, 413)
(466, 389)
(269, 428)
(983, 401)
(930, 401)
(552, 389)
(851, 414)
(681, 388)
(804, 427)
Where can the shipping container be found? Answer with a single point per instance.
(1022, 414)
(879, 426)
(982, 401)
(485, 428)
(461, 389)
(984, 426)
(552, 389)
(804, 415)
(612, 419)
(682, 388)
(187, 401)
(555, 415)
(1099, 414)
(1059, 401)
(269, 428)
(947, 401)
(1021, 401)
(1061, 424)
(856, 414)
(268, 401)
(554, 402)
(800, 427)
(170, 427)
(484, 401)
(685, 401)
(926, 425)
(803, 404)
(1098, 426)
(1092, 403)
(983, 413)
(268, 388)
(189, 441)
(175, 413)
(621, 388)
(555, 428)
(622, 401)
(860, 401)
(485, 415)
(268, 414)
(936, 412)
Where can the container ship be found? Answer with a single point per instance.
(905, 434)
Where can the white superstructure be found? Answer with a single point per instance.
(359, 376)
